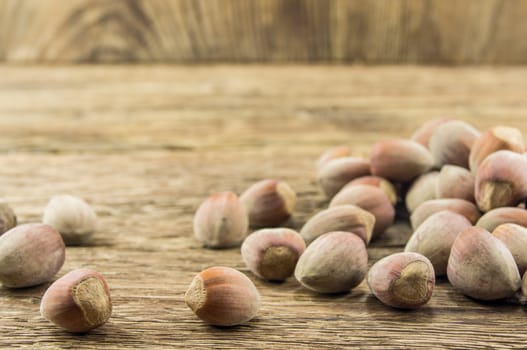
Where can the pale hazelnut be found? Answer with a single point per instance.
(271, 254)
(336, 173)
(221, 221)
(494, 218)
(78, 302)
(335, 262)
(424, 132)
(269, 203)
(377, 181)
(222, 296)
(460, 206)
(333, 153)
(72, 217)
(7, 218)
(515, 238)
(480, 266)
(421, 190)
(451, 142)
(455, 182)
(402, 280)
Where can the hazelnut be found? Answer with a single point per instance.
(385, 185)
(422, 189)
(271, 254)
(455, 182)
(338, 172)
(222, 296)
(333, 153)
(494, 218)
(30, 254)
(335, 262)
(451, 142)
(402, 280)
(460, 206)
(496, 139)
(7, 218)
(371, 199)
(269, 203)
(501, 180)
(480, 266)
(515, 238)
(435, 236)
(221, 221)
(524, 285)
(72, 217)
(400, 160)
(349, 218)
(423, 134)
(78, 301)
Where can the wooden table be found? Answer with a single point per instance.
(145, 145)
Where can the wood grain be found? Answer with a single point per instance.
(384, 31)
(145, 145)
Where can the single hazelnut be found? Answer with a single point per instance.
(72, 217)
(7, 218)
(271, 254)
(455, 182)
(377, 181)
(451, 142)
(335, 262)
(460, 206)
(221, 221)
(524, 285)
(371, 199)
(30, 255)
(78, 301)
(515, 238)
(402, 280)
(421, 190)
(400, 160)
(424, 132)
(496, 139)
(494, 218)
(333, 153)
(501, 180)
(222, 296)
(336, 173)
(480, 266)
(348, 218)
(435, 236)
(269, 203)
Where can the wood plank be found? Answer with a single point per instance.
(146, 144)
(384, 31)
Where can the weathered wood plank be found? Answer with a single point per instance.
(146, 144)
(384, 31)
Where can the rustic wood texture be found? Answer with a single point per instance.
(384, 31)
(145, 145)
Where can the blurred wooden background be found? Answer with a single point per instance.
(183, 31)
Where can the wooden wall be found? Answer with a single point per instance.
(370, 31)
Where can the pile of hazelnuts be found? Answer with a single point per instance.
(464, 192)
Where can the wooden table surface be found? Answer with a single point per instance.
(145, 145)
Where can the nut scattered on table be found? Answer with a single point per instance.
(451, 143)
(424, 132)
(460, 206)
(335, 174)
(507, 215)
(515, 238)
(78, 301)
(421, 190)
(377, 181)
(222, 296)
(7, 218)
(72, 217)
(455, 182)
(221, 221)
(272, 254)
(333, 153)
(30, 254)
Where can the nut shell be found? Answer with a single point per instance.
(435, 236)
(451, 142)
(380, 182)
(460, 206)
(480, 266)
(338, 172)
(402, 280)
(400, 160)
(78, 302)
(7, 218)
(72, 217)
(422, 189)
(335, 262)
(222, 296)
(271, 254)
(221, 221)
(269, 203)
(348, 218)
(371, 199)
(515, 238)
(30, 255)
(501, 180)
(494, 218)
(455, 182)
(333, 153)
(425, 131)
